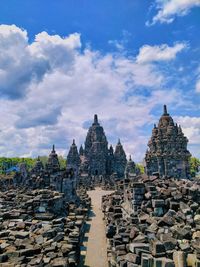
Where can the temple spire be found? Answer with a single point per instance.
(120, 159)
(95, 119)
(165, 110)
(81, 151)
(73, 159)
(179, 129)
(53, 162)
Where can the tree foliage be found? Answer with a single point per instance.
(140, 167)
(194, 166)
(7, 163)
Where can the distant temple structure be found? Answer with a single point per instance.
(53, 176)
(53, 164)
(73, 158)
(130, 170)
(96, 159)
(167, 153)
(38, 167)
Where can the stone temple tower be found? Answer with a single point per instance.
(96, 159)
(38, 167)
(53, 164)
(130, 169)
(167, 153)
(96, 148)
(119, 159)
(73, 159)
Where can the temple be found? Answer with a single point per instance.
(119, 160)
(167, 154)
(38, 167)
(53, 164)
(96, 159)
(130, 170)
(73, 159)
(96, 148)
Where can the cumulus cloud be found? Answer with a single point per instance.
(22, 64)
(162, 52)
(50, 89)
(191, 128)
(169, 9)
(59, 52)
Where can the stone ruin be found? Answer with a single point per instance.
(95, 163)
(96, 160)
(53, 164)
(39, 228)
(50, 176)
(167, 155)
(153, 222)
(42, 216)
(73, 159)
(131, 169)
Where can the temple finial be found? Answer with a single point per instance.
(53, 149)
(165, 110)
(73, 143)
(130, 159)
(95, 119)
(119, 142)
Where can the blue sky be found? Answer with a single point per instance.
(100, 21)
(62, 61)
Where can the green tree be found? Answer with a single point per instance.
(194, 166)
(140, 167)
(7, 163)
(62, 161)
(43, 159)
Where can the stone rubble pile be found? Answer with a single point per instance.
(153, 222)
(6, 181)
(38, 228)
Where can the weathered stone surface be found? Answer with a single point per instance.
(97, 159)
(53, 162)
(47, 240)
(167, 154)
(73, 159)
(158, 239)
(179, 258)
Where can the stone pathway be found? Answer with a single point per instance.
(94, 245)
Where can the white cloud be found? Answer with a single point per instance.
(62, 87)
(191, 129)
(169, 9)
(162, 52)
(22, 64)
(59, 52)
